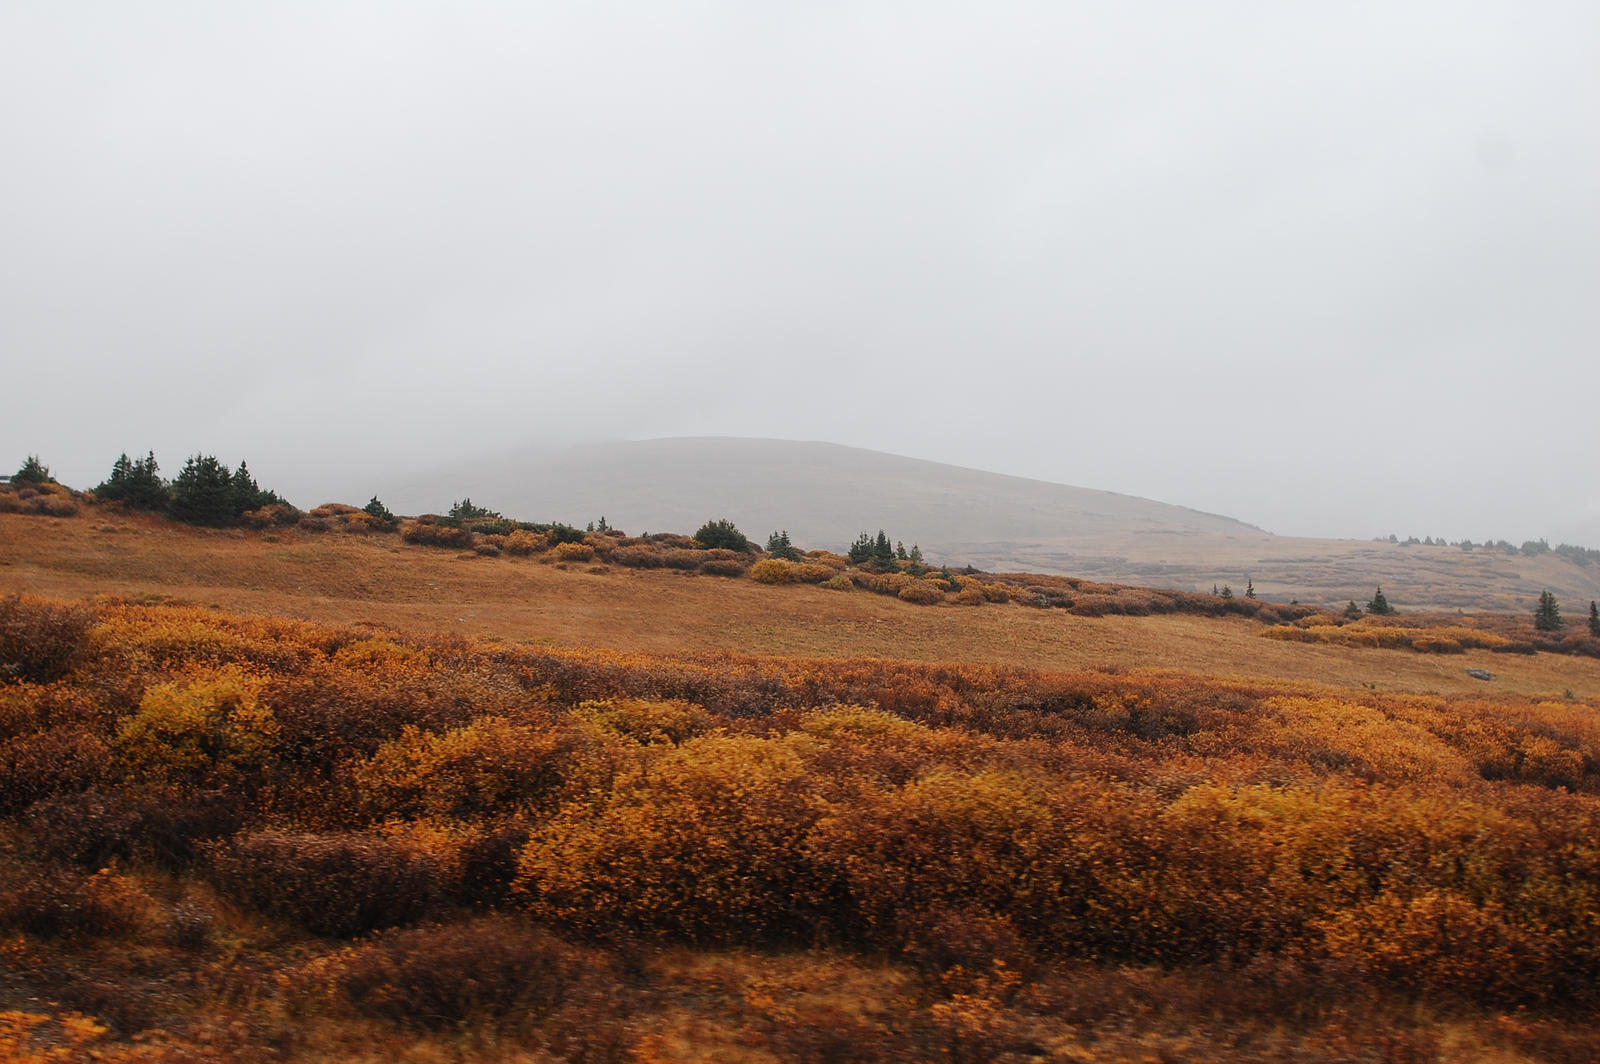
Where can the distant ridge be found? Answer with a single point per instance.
(825, 494)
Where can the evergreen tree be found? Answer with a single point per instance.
(202, 493)
(900, 551)
(1227, 592)
(860, 552)
(381, 512)
(247, 494)
(1249, 588)
(722, 534)
(1379, 606)
(33, 471)
(882, 552)
(1594, 619)
(467, 510)
(136, 483)
(1352, 610)
(1547, 616)
(778, 546)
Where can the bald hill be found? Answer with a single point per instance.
(825, 495)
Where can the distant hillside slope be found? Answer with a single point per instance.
(825, 494)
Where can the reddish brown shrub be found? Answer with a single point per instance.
(438, 977)
(723, 567)
(638, 557)
(96, 827)
(428, 534)
(40, 640)
(56, 760)
(54, 902)
(336, 885)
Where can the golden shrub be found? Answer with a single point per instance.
(211, 727)
(573, 552)
(773, 571)
(490, 767)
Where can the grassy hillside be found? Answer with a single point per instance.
(825, 494)
(381, 579)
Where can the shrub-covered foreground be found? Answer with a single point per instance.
(235, 837)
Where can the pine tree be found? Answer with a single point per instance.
(882, 552)
(1249, 588)
(778, 546)
(380, 512)
(860, 552)
(1594, 619)
(202, 492)
(1352, 610)
(33, 471)
(135, 483)
(723, 534)
(1379, 606)
(1227, 592)
(1547, 615)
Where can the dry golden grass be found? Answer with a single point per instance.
(378, 579)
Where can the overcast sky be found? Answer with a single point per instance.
(1333, 269)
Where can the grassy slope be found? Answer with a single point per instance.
(378, 579)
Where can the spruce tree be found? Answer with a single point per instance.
(33, 471)
(380, 512)
(860, 552)
(202, 493)
(1249, 588)
(1547, 615)
(1352, 610)
(723, 534)
(1594, 619)
(135, 483)
(1379, 606)
(778, 546)
(882, 552)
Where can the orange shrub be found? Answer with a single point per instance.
(1058, 860)
(522, 543)
(923, 593)
(812, 573)
(649, 721)
(701, 843)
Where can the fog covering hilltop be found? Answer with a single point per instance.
(825, 495)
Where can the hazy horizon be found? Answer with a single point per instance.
(1329, 270)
